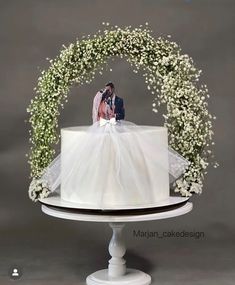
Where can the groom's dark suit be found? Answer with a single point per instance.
(119, 108)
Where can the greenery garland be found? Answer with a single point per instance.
(170, 76)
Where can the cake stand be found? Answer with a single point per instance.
(117, 273)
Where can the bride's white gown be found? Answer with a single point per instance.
(102, 150)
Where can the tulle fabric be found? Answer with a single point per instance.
(90, 159)
(95, 107)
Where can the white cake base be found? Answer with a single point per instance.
(116, 166)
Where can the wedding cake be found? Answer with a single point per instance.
(118, 169)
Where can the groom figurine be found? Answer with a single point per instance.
(114, 101)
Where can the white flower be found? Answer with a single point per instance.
(38, 188)
(196, 187)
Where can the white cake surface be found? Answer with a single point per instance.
(143, 182)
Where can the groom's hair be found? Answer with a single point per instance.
(110, 84)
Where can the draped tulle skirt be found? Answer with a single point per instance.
(115, 162)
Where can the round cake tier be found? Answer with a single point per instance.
(114, 168)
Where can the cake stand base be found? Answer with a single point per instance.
(117, 272)
(131, 277)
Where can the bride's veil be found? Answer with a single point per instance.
(96, 103)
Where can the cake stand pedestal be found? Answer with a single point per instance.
(117, 273)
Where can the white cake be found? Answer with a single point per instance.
(88, 190)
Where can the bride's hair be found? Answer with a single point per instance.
(104, 96)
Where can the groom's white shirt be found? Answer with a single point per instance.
(113, 99)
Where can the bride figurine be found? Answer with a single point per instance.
(105, 150)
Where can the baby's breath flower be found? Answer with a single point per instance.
(38, 189)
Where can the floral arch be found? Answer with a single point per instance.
(171, 78)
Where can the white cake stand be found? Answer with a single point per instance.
(116, 273)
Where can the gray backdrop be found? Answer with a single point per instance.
(56, 251)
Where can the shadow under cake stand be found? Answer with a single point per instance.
(117, 272)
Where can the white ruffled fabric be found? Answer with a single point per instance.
(103, 147)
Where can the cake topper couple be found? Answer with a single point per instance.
(107, 105)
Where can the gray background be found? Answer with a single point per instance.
(55, 251)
